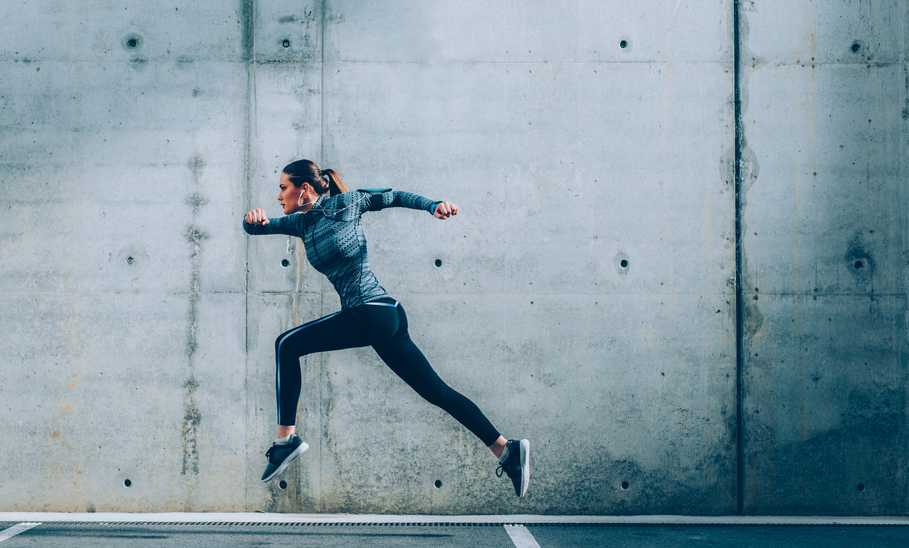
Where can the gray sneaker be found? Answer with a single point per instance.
(280, 455)
(517, 465)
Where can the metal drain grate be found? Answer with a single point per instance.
(109, 524)
(307, 524)
(279, 524)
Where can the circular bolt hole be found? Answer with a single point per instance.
(127, 482)
(286, 43)
(285, 263)
(860, 487)
(438, 483)
(855, 47)
(859, 264)
(438, 262)
(623, 44)
(132, 41)
(624, 263)
(130, 260)
(282, 484)
(624, 485)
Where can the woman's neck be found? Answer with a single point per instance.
(311, 205)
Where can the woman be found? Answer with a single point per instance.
(319, 209)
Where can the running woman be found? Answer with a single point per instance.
(319, 209)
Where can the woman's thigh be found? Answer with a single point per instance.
(335, 331)
(403, 357)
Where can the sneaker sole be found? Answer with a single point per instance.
(297, 452)
(525, 466)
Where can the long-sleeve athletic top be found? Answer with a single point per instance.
(336, 243)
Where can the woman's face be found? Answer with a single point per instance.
(289, 196)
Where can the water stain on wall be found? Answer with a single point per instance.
(247, 22)
(872, 419)
(189, 434)
(192, 417)
(600, 478)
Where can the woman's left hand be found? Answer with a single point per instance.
(445, 210)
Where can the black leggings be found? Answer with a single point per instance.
(381, 323)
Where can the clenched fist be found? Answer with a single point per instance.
(256, 217)
(445, 210)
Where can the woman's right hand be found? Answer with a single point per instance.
(256, 216)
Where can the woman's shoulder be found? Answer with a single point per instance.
(343, 205)
(342, 199)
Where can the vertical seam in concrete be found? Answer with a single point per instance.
(739, 312)
(322, 85)
(322, 162)
(247, 14)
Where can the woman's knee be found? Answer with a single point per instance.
(280, 344)
(280, 341)
(291, 347)
(297, 338)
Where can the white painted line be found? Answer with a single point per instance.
(521, 537)
(7, 534)
(527, 519)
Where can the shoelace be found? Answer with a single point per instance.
(501, 468)
(270, 449)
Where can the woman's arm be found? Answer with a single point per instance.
(376, 199)
(290, 225)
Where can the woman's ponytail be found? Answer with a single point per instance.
(335, 184)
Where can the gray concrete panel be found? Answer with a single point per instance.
(825, 408)
(521, 148)
(824, 109)
(271, 314)
(534, 31)
(130, 31)
(141, 396)
(784, 32)
(579, 439)
(286, 122)
(103, 158)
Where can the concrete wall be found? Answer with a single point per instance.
(586, 297)
(825, 118)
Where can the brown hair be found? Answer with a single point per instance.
(322, 180)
